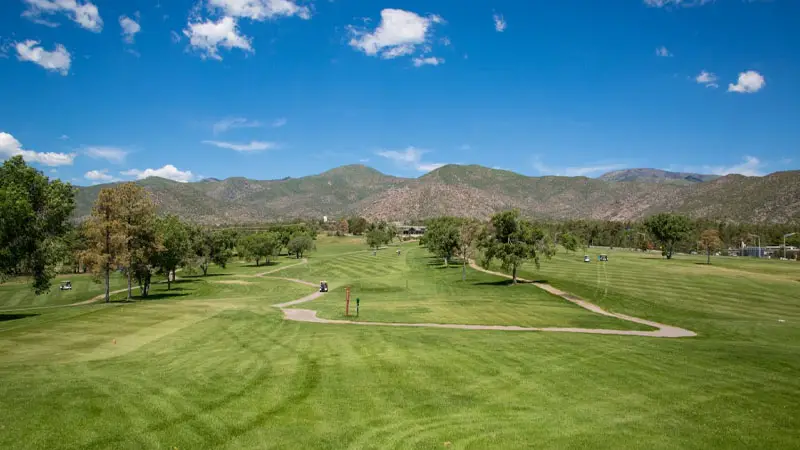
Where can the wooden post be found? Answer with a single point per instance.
(347, 302)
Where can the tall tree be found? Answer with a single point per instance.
(357, 225)
(468, 234)
(441, 237)
(513, 241)
(710, 242)
(34, 213)
(107, 239)
(343, 227)
(668, 229)
(175, 246)
(570, 242)
(137, 216)
(209, 247)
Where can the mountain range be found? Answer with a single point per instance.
(474, 191)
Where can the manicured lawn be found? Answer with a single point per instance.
(18, 294)
(213, 365)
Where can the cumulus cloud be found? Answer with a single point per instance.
(59, 60)
(663, 52)
(169, 172)
(399, 33)
(261, 9)
(707, 78)
(64, 137)
(234, 122)
(279, 122)
(9, 147)
(99, 176)
(499, 23)
(428, 61)
(84, 13)
(253, 146)
(410, 158)
(750, 166)
(749, 82)
(111, 154)
(129, 28)
(575, 171)
(207, 37)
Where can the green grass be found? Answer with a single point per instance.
(217, 367)
(18, 294)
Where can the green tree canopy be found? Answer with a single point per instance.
(668, 229)
(33, 219)
(442, 237)
(570, 242)
(176, 246)
(300, 244)
(210, 247)
(512, 241)
(263, 245)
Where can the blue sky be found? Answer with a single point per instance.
(107, 90)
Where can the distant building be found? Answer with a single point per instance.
(325, 219)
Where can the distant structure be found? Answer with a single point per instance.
(324, 219)
(410, 230)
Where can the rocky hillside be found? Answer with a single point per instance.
(474, 191)
(656, 176)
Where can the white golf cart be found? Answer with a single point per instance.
(586, 258)
(66, 285)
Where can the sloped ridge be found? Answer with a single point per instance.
(471, 191)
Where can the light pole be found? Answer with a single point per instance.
(759, 243)
(784, 243)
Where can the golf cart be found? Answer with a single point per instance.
(323, 286)
(603, 258)
(65, 285)
(586, 258)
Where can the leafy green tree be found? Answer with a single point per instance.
(357, 225)
(300, 244)
(668, 229)
(570, 242)
(375, 238)
(209, 247)
(263, 245)
(137, 214)
(34, 213)
(442, 237)
(176, 246)
(513, 241)
(710, 242)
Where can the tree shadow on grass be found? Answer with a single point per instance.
(200, 276)
(506, 282)
(8, 317)
(163, 296)
(271, 263)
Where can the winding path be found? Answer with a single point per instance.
(661, 330)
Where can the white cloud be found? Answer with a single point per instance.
(64, 137)
(751, 166)
(82, 12)
(253, 146)
(707, 78)
(430, 60)
(234, 122)
(9, 147)
(581, 171)
(111, 154)
(99, 176)
(261, 9)
(663, 52)
(175, 36)
(169, 172)
(749, 82)
(59, 60)
(675, 3)
(399, 33)
(279, 122)
(500, 24)
(206, 37)
(129, 28)
(411, 158)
